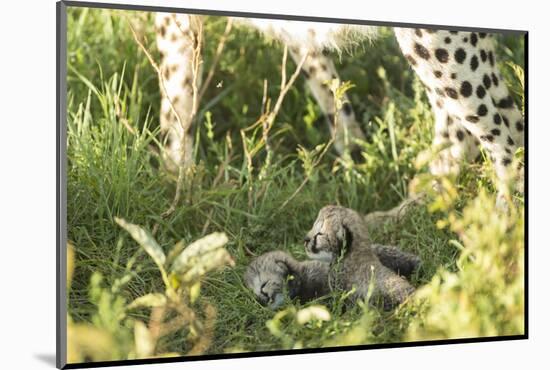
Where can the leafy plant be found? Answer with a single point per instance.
(485, 297)
(115, 333)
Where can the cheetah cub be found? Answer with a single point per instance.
(339, 236)
(267, 274)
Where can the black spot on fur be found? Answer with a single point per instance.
(482, 110)
(438, 74)
(495, 131)
(453, 76)
(473, 119)
(496, 119)
(495, 79)
(439, 92)
(460, 55)
(418, 32)
(449, 121)
(519, 126)
(451, 93)
(465, 39)
(460, 135)
(488, 138)
(411, 60)
(473, 39)
(506, 161)
(482, 35)
(466, 89)
(510, 141)
(487, 81)
(421, 51)
(480, 92)
(483, 55)
(506, 103)
(447, 40)
(474, 63)
(442, 55)
(506, 122)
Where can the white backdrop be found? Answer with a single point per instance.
(27, 196)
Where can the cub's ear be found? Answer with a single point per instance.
(345, 237)
(349, 236)
(283, 266)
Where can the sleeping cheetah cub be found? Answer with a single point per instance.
(339, 236)
(267, 274)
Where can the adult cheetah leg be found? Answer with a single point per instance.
(456, 66)
(319, 71)
(453, 142)
(177, 37)
(508, 113)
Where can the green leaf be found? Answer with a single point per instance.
(311, 313)
(148, 300)
(201, 256)
(147, 242)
